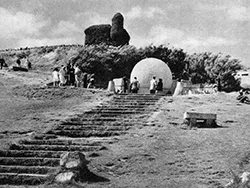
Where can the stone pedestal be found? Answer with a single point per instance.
(111, 86)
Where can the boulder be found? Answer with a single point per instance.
(73, 167)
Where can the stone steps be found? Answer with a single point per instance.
(133, 103)
(30, 161)
(113, 113)
(138, 97)
(34, 153)
(121, 106)
(56, 147)
(22, 179)
(91, 133)
(121, 110)
(27, 169)
(96, 128)
(96, 124)
(59, 142)
(92, 119)
(120, 100)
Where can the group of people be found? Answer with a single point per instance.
(27, 61)
(2, 63)
(71, 75)
(18, 63)
(154, 85)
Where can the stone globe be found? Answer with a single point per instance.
(145, 69)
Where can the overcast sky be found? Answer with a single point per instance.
(193, 25)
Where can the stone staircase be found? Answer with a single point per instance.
(32, 161)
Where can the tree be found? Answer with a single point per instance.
(208, 68)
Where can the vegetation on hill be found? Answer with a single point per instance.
(209, 68)
(107, 62)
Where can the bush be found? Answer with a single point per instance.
(208, 68)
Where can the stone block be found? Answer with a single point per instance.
(197, 115)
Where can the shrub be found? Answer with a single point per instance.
(208, 68)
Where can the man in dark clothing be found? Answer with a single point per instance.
(28, 64)
(85, 80)
(218, 84)
(2, 63)
(159, 86)
(71, 75)
(125, 84)
(134, 86)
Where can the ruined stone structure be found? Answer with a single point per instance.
(114, 35)
(118, 34)
(98, 34)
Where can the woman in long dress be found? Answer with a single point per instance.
(62, 74)
(55, 75)
(78, 74)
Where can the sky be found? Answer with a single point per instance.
(218, 26)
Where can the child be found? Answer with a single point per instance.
(55, 75)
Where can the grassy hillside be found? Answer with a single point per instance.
(43, 57)
(107, 62)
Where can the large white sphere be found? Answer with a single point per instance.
(149, 67)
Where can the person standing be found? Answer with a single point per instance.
(159, 87)
(71, 75)
(91, 83)
(78, 74)
(85, 80)
(218, 84)
(153, 85)
(56, 78)
(29, 64)
(62, 76)
(135, 85)
(125, 84)
(2, 63)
